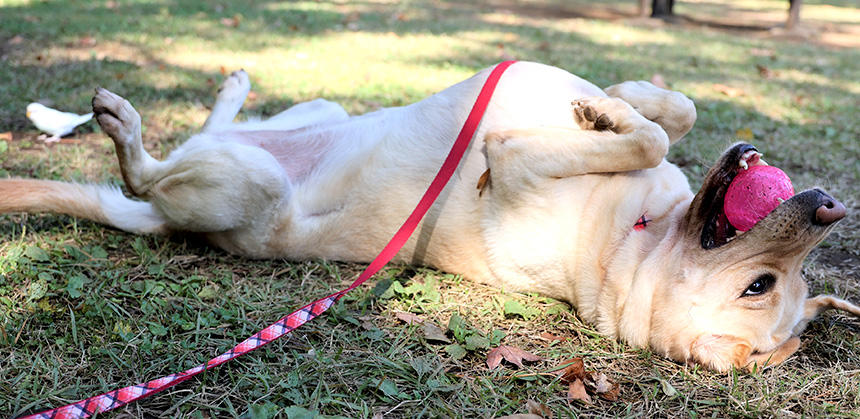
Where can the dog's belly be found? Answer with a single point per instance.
(561, 240)
(350, 202)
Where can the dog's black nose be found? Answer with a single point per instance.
(829, 212)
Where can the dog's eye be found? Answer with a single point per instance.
(760, 285)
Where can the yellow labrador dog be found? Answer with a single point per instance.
(564, 191)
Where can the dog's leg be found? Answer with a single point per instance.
(120, 121)
(615, 138)
(229, 101)
(204, 186)
(671, 110)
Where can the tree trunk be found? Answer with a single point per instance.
(793, 13)
(663, 8)
(643, 8)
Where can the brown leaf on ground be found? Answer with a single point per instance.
(765, 72)
(409, 318)
(539, 409)
(432, 332)
(520, 416)
(232, 22)
(574, 371)
(6, 135)
(657, 80)
(511, 354)
(602, 386)
(728, 90)
(576, 391)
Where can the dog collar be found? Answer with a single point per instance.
(642, 222)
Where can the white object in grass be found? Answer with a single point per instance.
(54, 122)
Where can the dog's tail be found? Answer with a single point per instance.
(100, 203)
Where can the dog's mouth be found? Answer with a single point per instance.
(716, 229)
(812, 212)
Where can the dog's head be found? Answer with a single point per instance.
(739, 297)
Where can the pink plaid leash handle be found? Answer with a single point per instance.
(117, 398)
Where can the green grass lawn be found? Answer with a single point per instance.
(85, 309)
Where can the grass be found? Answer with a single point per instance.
(84, 309)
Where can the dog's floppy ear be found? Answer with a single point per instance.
(720, 352)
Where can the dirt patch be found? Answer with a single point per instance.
(836, 258)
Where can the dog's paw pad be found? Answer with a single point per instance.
(115, 115)
(589, 117)
(603, 123)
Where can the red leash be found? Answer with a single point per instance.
(117, 398)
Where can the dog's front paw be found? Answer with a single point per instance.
(588, 116)
(116, 116)
(602, 114)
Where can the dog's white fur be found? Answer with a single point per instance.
(555, 216)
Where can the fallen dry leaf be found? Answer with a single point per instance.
(232, 22)
(409, 318)
(657, 80)
(603, 386)
(576, 391)
(551, 337)
(6, 135)
(539, 409)
(574, 371)
(728, 90)
(511, 354)
(482, 181)
(432, 332)
(765, 72)
(521, 416)
(17, 39)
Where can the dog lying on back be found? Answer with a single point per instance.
(564, 191)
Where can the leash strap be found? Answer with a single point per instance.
(120, 397)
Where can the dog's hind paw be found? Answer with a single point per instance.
(116, 116)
